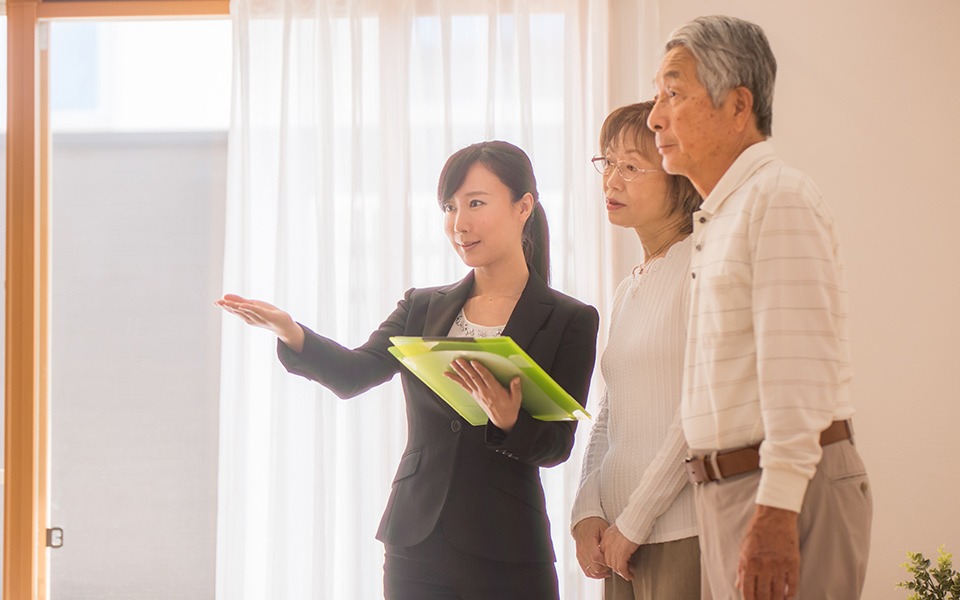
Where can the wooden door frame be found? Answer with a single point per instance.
(27, 348)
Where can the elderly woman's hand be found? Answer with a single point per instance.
(587, 534)
(617, 550)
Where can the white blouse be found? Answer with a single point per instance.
(463, 328)
(632, 472)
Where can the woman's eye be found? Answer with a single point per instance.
(448, 208)
(607, 163)
(631, 168)
(475, 203)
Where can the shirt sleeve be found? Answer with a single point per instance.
(662, 481)
(799, 316)
(587, 501)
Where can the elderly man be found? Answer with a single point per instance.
(782, 495)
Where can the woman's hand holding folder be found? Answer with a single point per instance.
(501, 404)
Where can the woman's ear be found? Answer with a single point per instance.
(526, 206)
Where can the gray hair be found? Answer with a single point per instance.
(731, 52)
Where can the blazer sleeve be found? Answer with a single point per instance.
(549, 443)
(345, 372)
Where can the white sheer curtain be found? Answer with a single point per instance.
(343, 114)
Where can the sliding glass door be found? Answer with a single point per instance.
(139, 119)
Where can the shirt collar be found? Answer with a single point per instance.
(749, 162)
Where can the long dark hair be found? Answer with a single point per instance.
(512, 166)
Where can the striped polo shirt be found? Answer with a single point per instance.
(768, 354)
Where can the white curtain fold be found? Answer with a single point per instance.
(343, 114)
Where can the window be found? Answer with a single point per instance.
(138, 184)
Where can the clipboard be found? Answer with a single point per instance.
(428, 358)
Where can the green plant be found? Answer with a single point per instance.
(941, 583)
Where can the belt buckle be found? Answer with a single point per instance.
(696, 470)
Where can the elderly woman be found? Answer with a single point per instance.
(634, 511)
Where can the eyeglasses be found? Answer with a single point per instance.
(628, 171)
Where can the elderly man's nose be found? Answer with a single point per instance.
(655, 118)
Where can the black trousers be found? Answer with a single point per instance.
(437, 570)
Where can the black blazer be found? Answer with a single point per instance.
(484, 486)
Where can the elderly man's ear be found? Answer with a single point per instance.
(742, 106)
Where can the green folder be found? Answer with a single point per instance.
(429, 358)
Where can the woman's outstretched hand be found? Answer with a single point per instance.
(267, 316)
(501, 404)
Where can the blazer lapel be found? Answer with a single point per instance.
(445, 304)
(532, 310)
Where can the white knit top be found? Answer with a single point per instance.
(632, 472)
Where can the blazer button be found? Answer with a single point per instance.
(455, 426)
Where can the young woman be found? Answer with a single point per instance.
(466, 516)
(634, 513)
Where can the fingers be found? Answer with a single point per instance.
(234, 304)
(595, 557)
(764, 588)
(466, 375)
(455, 377)
(257, 313)
(587, 535)
(591, 562)
(617, 551)
(474, 371)
(790, 585)
(252, 317)
(778, 590)
(515, 390)
(501, 404)
(595, 570)
(619, 564)
(236, 309)
(483, 373)
(477, 377)
(748, 586)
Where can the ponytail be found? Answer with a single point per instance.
(536, 242)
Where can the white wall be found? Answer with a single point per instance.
(868, 104)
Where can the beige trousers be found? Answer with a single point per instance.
(665, 571)
(834, 528)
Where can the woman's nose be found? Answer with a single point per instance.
(613, 179)
(460, 222)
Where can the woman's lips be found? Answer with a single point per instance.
(613, 204)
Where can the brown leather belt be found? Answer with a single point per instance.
(727, 463)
